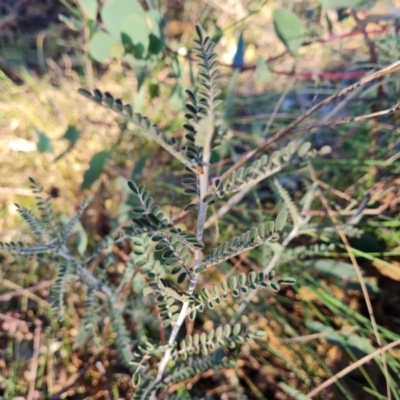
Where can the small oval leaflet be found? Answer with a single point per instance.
(304, 148)
(233, 282)
(271, 227)
(281, 220)
(132, 185)
(192, 315)
(147, 290)
(190, 191)
(275, 286)
(227, 330)
(181, 277)
(136, 379)
(190, 207)
(287, 281)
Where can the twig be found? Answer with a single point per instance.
(18, 192)
(360, 118)
(16, 321)
(82, 372)
(22, 291)
(100, 367)
(202, 186)
(90, 278)
(26, 292)
(373, 57)
(87, 274)
(35, 360)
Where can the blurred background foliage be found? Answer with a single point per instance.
(278, 59)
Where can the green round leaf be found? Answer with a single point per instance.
(89, 8)
(135, 36)
(72, 134)
(96, 166)
(115, 12)
(156, 44)
(44, 143)
(102, 47)
(289, 30)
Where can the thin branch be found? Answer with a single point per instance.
(25, 291)
(89, 277)
(360, 118)
(203, 179)
(35, 360)
(21, 291)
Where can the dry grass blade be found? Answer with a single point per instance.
(359, 276)
(286, 130)
(351, 367)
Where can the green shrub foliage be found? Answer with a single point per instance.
(170, 258)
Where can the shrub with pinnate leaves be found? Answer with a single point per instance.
(170, 258)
